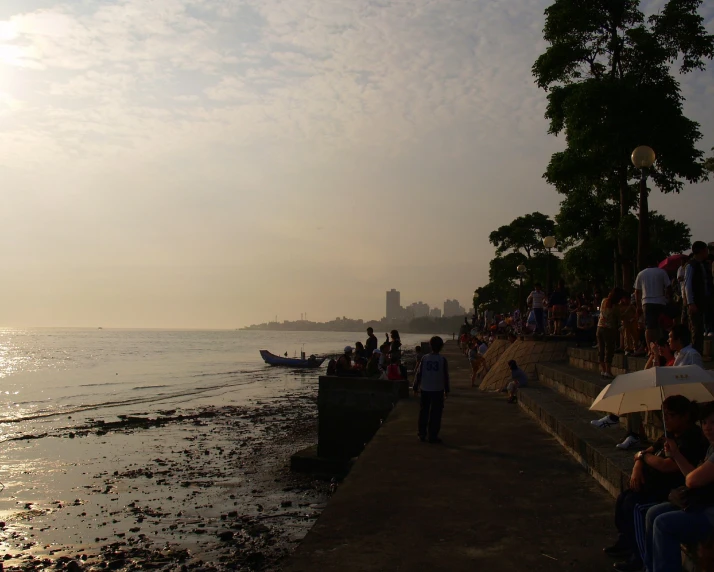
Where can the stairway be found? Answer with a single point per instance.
(559, 401)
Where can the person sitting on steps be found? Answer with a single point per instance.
(654, 476)
(519, 378)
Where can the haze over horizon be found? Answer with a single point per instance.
(210, 164)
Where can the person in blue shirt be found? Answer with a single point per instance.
(432, 379)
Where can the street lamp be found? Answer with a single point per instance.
(549, 243)
(521, 268)
(643, 158)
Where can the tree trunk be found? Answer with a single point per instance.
(625, 262)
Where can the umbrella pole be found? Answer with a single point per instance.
(664, 423)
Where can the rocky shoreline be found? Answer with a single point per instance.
(203, 489)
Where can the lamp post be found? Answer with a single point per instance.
(643, 158)
(549, 243)
(521, 268)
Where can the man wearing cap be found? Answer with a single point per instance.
(344, 363)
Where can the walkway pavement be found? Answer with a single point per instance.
(498, 494)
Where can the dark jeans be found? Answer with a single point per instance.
(625, 514)
(696, 329)
(667, 529)
(540, 326)
(432, 406)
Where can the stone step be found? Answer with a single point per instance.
(579, 385)
(583, 386)
(587, 359)
(569, 423)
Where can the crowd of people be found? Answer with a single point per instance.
(372, 360)
(670, 498)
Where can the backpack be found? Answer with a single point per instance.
(332, 367)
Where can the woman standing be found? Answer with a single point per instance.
(608, 330)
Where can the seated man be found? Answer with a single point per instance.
(684, 353)
(519, 378)
(344, 364)
(654, 476)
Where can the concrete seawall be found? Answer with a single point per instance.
(498, 495)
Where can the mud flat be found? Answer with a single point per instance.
(203, 488)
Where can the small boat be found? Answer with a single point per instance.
(272, 359)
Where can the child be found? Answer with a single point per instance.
(477, 362)
(432, 377)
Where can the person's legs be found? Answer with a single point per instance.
(474, 370)
(672, 529)
(540, 328)
(634, 422)
(650, 517)
(652, 313)
(631, 337)
(640, 517)
(600, 335)
(425, 406)
(437, 408)
(610, 344)
(625, 520)
(696, 329)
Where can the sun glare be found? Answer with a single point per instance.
(8, 30)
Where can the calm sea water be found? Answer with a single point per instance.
(50, 375)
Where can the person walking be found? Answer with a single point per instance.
(432, 379)
(652, 288)
(536, 301)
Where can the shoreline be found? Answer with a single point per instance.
(206, 488)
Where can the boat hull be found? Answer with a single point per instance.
(272, 359)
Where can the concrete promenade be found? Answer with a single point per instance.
(498, 494)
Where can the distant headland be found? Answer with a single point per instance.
(424, 325)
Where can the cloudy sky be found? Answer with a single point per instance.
(213, 163)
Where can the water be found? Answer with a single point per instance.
(50, 375)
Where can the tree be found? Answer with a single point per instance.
(608, 75)
(709, 163)
(524, 235)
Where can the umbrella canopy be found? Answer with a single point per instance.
(645, 390)
(671, 263)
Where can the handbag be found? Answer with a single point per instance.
(686, 498)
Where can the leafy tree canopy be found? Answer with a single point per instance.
(524, 235)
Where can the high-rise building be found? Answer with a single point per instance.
(435, 313)
(418, 310)
(453, 308)
(394, 306)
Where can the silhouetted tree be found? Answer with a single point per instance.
(609, 76)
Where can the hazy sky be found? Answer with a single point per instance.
(213, 163)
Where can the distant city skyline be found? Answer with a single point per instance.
(395, 311)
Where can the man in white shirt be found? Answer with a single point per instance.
(536, 300)
(652, 288)
(684, 353)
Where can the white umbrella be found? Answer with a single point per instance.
(646, 390)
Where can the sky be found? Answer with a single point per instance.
(215, 163)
